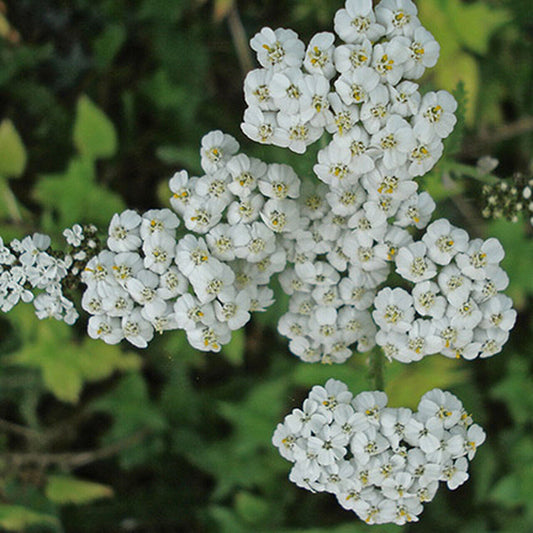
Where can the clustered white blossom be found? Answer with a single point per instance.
(454, 307)
(381, 463)
(208, 281)
(31, 272)
(384, 134)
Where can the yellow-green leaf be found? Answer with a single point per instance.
(94, 133)
(410, 382)
(68, 489)
(12, 151)
(18, 518)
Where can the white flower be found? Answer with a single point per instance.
(257, 89)
(436, 115)
(209, 338)
(352, 56)
(396, 140)
(427, 299)
(344, 116)
(190, 312)
(136, 329)
(413, 264)
(124, 233)
(214, 188)
(210, 282)
(262, 127)
(278, 49)
(234, 310)
(245, 211)
(498, 312)
(454, 285)
(423, 53)
(357, 22)
(217, 148)
(200, 216)
(480, 256)
(244, 172)
(415, 211)
(106, 328)
(319, 55)
(280, 181)
(334, 166)
(398, 16)
(160, 314)
(405, 99)
(444, 241)
(74, 236)
(388, 59)
(182, 188)
(394, 310)
(281, 215)
(159, 252)
(296, 131)
(355, 86)
(158, 221)
(375, 111)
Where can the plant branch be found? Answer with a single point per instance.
(17, 429)
(71, 460)
(240, 40)
(478, 147)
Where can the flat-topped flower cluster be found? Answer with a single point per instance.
(208, 281)
(381, 463)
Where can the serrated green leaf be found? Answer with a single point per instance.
(65, 364)
(68, 489)
(94, 133)
(18, 518)
(12, 151)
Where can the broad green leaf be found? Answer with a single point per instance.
(94, 133)
(66, 364)
(67, 489)
(474, 23)
(406, 384)
(75, 197)
(18, 518)
(12, 151)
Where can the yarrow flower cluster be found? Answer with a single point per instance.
(381, 463)
(208, 281)
(454, 307)
(31, 271)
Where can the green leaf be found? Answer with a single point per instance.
(94, 133)
(518, 258)
(108, 44)
(65, 364)
(474, 23)
(252, 509)
(406, 384)
(75, 197)
(12, 151)
(68, 489)
(18, 518)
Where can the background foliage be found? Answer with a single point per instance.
(100, 102)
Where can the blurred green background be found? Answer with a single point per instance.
(100, 102)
